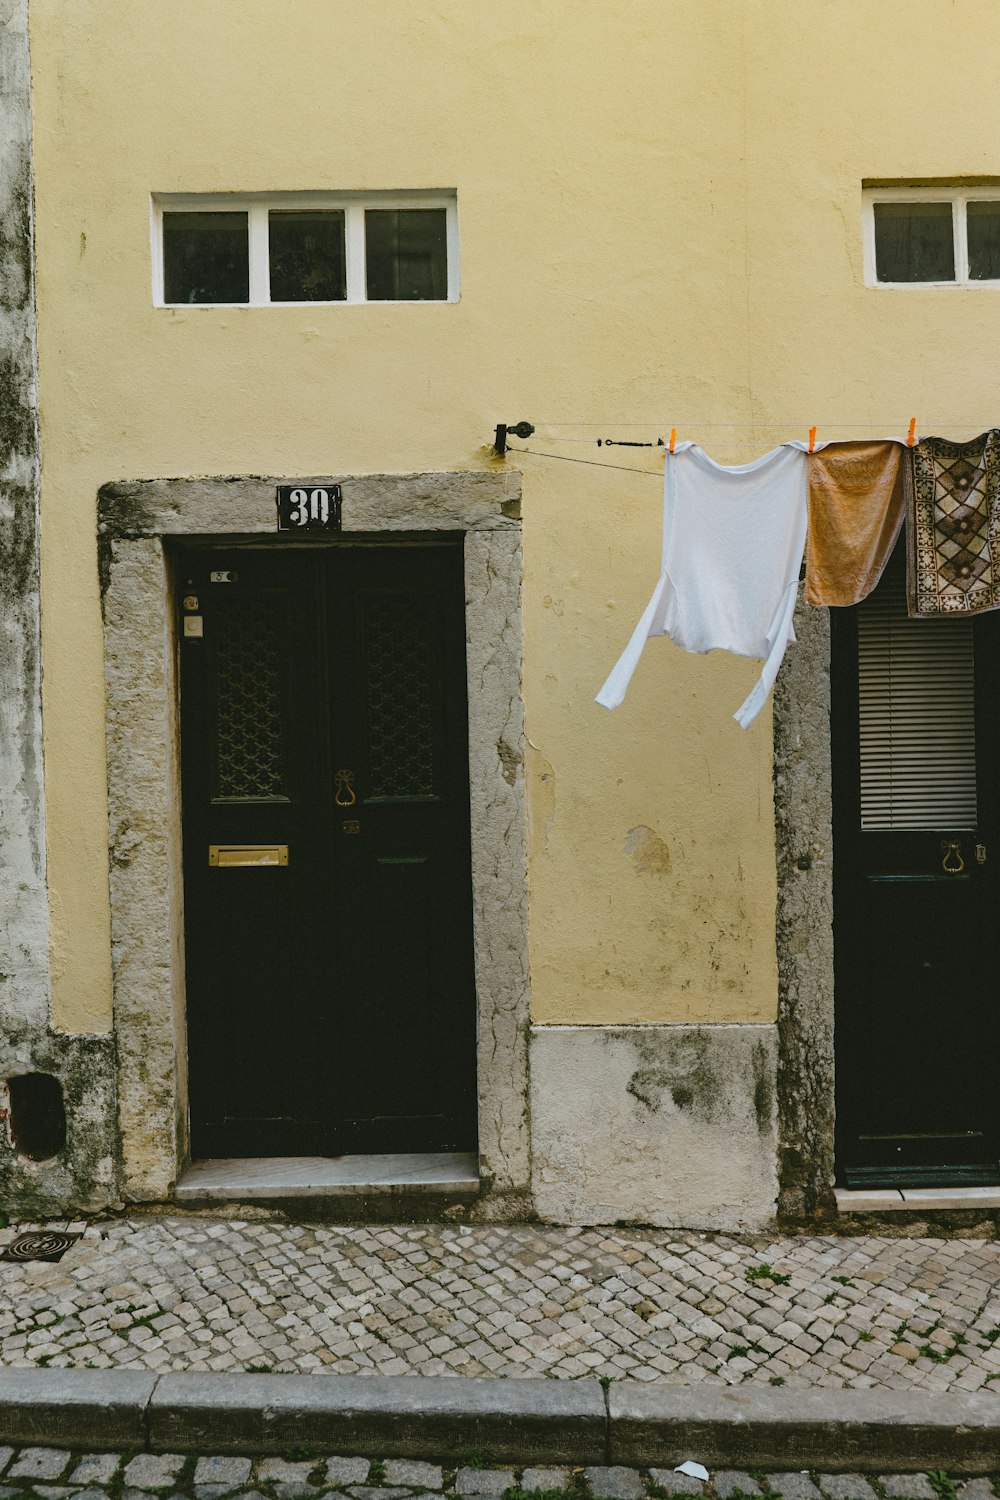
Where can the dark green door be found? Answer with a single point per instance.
(916, 757)
(328, 906)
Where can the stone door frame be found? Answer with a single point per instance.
(803, 812)
(139, 523)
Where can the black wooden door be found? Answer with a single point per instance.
(915, 760)
(328, 909)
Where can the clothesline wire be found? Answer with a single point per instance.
(611, 442)
(794, 424)
(592, 463)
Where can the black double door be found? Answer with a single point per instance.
(327, 884)
(916, 760)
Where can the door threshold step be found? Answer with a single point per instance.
(901, 1200)
(259, 1178)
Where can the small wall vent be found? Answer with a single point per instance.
(37, 1115)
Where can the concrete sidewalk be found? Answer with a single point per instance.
(210, 1334)
(198, 1293)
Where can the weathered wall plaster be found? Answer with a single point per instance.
(621, 303)
(143, 778)
(82, 1174)
(803, 802)
(85, 1174)
(23, 927)
(667, 1125)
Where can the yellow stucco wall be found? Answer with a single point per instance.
(660, 222)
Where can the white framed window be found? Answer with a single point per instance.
(315, 248)
(932, 236)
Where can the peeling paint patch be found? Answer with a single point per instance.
(650, 854)
(510, 761)
(647, 1086)
(683, 1068)
(541, 793)
(763, 1092)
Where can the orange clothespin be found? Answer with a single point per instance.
(912, 435)
(812, 440)
(673, 438)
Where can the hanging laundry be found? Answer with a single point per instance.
(953, 542)
(857, 501)
(733, 540)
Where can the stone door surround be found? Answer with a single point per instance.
(803, 809)
(143, 526)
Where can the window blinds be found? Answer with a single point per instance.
(917, 715)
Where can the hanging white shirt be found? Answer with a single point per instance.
(733, 540)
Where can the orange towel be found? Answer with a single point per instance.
(857, 501)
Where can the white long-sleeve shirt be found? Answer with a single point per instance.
(733, 540)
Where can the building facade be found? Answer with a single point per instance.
(315, 844)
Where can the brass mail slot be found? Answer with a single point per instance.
(247, 854)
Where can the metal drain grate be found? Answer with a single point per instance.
(39, 1244)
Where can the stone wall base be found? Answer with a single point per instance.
(667, 1125)
(83, 1177)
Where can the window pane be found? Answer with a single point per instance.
(405, 255)
(206, 257)
(983, 221)
(307, 259)
(913, 242)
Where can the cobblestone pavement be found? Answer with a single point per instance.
(56, 1474)
(204, 1293)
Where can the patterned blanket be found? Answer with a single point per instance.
(953, 535)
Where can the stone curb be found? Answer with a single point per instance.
(407, 1416)
(515, 1421)
(75, 1408)
(755, 1427)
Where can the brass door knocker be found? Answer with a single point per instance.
(953, 863)
(344, 795)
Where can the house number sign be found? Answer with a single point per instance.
(309, 507)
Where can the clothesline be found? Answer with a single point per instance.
(596, 463)
(762, 429)
(874, 429)
(593, 463)
(792, 424)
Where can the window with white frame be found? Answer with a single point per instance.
(283, 249)
(936, 236)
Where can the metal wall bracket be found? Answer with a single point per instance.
(519, 429)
